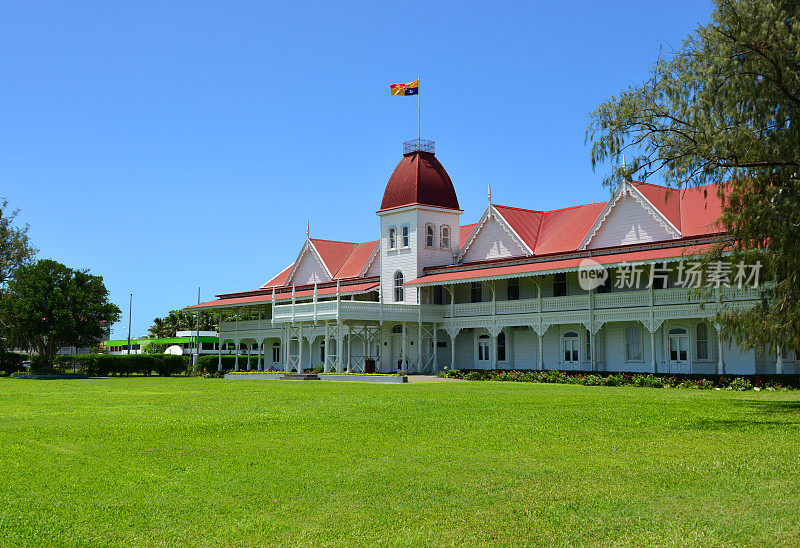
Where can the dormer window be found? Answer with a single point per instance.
(445, 237)
(405, 242)
(392, 237)
(428, 236)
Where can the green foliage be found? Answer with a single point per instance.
(10, 362)
(643, 380)
(48, 305)
(15, 247)
(185, 320)
(725, 108)
(208, 364)
(103, 365)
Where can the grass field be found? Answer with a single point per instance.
(212, 462)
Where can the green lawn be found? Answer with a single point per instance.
(212, 462)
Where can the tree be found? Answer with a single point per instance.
(184, 320)
(49, 305)
(15, 247)
(725, 108)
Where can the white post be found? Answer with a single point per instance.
(300, 350)
(325, 366)
(778, 360)
(453, 351)
(236, 343)
(260, 350)
(248, 356)
(403, 347)
(435, 348)
(494, 350)
(653, 352)
(541, 353)
(720, 360)
(339, 347)
(349, 346)
(219, 344)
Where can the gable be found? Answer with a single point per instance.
(309, 269)
(629, 222)
(493, 241)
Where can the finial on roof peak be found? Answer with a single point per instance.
(490, 193)
(308, 230)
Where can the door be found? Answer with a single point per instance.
(571, 349)
(678, 349)
(397, 347)
(483, 351)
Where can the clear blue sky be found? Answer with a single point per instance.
(169, 145)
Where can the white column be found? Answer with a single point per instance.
(419, 347)
(236, 360)
(453, 351)
(300, 350)
(541, 354)
(403, 347)
(778, 360)
(494, 351)
(219, 350)
(349, 346)
(653, 363)
(260, 350)
(339, 349)
(435, 349)
(248, 356)
(720, 359)
(325, 367)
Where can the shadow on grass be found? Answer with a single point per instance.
(762, 415)
(771, 407)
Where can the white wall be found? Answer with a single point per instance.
(493, 242)
(310, 270)
(628, 223)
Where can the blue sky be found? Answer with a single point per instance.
(170, 145)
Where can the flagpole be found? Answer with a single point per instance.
(419, 118)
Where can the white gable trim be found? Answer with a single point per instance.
(628, 189)
(490, 213)
(305, 249)
(371, 259)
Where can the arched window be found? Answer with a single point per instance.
(397, 330)
(398, 286)
(445, 237)
(702, 341)
(428, 236)
(501, 347)
(392, 237)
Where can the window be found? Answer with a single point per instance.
(405, 236)
(441, 344)
(276, 352)
(571, 347)
(512, 292)
(445, 237)
(322, 351)
(428, 236)
(438, 297)
(392, 237)
(702, 341)
(607, 284)
(501, 347)
(476, 292)
(659, 275)
(560, 285)
(633, 343)
(588, 346)
(398, 286)
(397, 330)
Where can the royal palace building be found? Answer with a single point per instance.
(612, 286)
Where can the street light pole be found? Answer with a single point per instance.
(130, 314)
(197, 341)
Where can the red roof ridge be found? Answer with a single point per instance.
(519, 208)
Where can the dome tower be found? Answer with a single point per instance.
(419, 219)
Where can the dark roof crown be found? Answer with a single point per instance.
(419, 178)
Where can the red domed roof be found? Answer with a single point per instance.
(419, 178)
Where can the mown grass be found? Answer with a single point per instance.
(212, 462)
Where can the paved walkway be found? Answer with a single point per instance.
(430, 378)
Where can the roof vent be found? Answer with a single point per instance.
(419, 145)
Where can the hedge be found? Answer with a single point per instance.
(10, 362)
(209, 363)
(102, 365)
(646, 380)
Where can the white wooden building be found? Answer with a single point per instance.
(503, 292)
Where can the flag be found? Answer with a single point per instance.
(411, 88)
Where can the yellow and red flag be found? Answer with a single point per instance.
(411, 88)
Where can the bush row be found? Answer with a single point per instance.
(209, 363)
(647, 380)
(102, 365)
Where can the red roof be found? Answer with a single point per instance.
(559, 264)
(266, 296)
(280, 279)
(356, 262)
(564, 229)
(419, 178)
(464, 232)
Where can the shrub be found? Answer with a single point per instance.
(740, 383)
(208, 363)
(10, 362)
